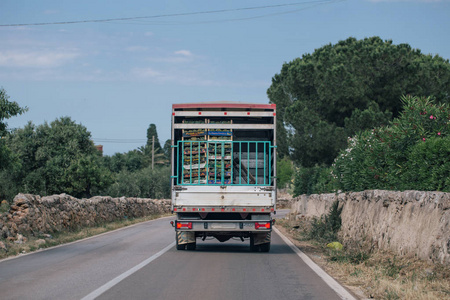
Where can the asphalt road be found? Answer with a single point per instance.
(130, 264)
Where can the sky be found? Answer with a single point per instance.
(117, 77)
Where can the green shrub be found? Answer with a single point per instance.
(314, 180)
(4, 206)
(428, 166)
(325, 229)
(285, 172)
(412, 148)
(145, 183)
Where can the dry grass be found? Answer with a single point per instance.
(34, 243)
(377, 275)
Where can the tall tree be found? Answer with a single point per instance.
(8, 109)
(152, 132)
(59, 157)
(317, 93)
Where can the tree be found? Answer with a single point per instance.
(285, 172)
(59, 157)
(167, 150)
(351, 80)
(152, 132)
(7, 110)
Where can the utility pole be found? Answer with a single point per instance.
(153, 151)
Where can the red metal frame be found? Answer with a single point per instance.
(224, 105)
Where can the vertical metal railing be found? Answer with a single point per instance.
(224, 163)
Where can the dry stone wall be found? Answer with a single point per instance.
(407, 223)
(35, 215)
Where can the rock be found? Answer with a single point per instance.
(47, 236)
(40, 242)
(3, 246)
(20, 239)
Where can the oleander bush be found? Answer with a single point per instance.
(411, 153)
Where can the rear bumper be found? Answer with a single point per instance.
(225, 225)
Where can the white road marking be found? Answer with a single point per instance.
(124, 275)
(332, 283)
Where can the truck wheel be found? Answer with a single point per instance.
(265, 247)
(180, 246)
(253, 247)
(191, 246)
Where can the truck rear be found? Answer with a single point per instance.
(223, 172)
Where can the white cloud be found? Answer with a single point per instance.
(176, 57)
(44, 59)
(185, 53)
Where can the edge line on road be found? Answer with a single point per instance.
(330, 281)
(82, 240)
(124, 275)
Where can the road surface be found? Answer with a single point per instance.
(141, 262)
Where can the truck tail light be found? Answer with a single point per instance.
(187, 225)
(265, 225)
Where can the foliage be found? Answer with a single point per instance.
(152, 132)
(314, 180)
(59, 157)
(411, 153)
(4, 206)
(8, 109)
(167, 149)
(428, 165)
(285, 172)
(326, 228)
(131, 161)
(145, 183)
(366, 119)
(339, 90)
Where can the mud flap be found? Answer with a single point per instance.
(185, 237)
(262, 238)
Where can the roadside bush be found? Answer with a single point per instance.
(396, 157)
(145, 183)
(4, 206)
(285, 172)
(314, 180)
(325, 229)
(428, 165)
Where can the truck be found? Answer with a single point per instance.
(223, 181)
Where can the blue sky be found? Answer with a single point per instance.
(118, 77)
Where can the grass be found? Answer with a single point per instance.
(377, 274)
(34, 243)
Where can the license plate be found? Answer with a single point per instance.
(223, 226)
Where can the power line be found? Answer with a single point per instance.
(313, 4)
(120, 141)
(172, 15)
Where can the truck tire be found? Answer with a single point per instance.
(191, 246)
(180, 246)
(265, 247)
(253, 247)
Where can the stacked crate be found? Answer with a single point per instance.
(194, 155)
(207, 154)
(220, 154)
